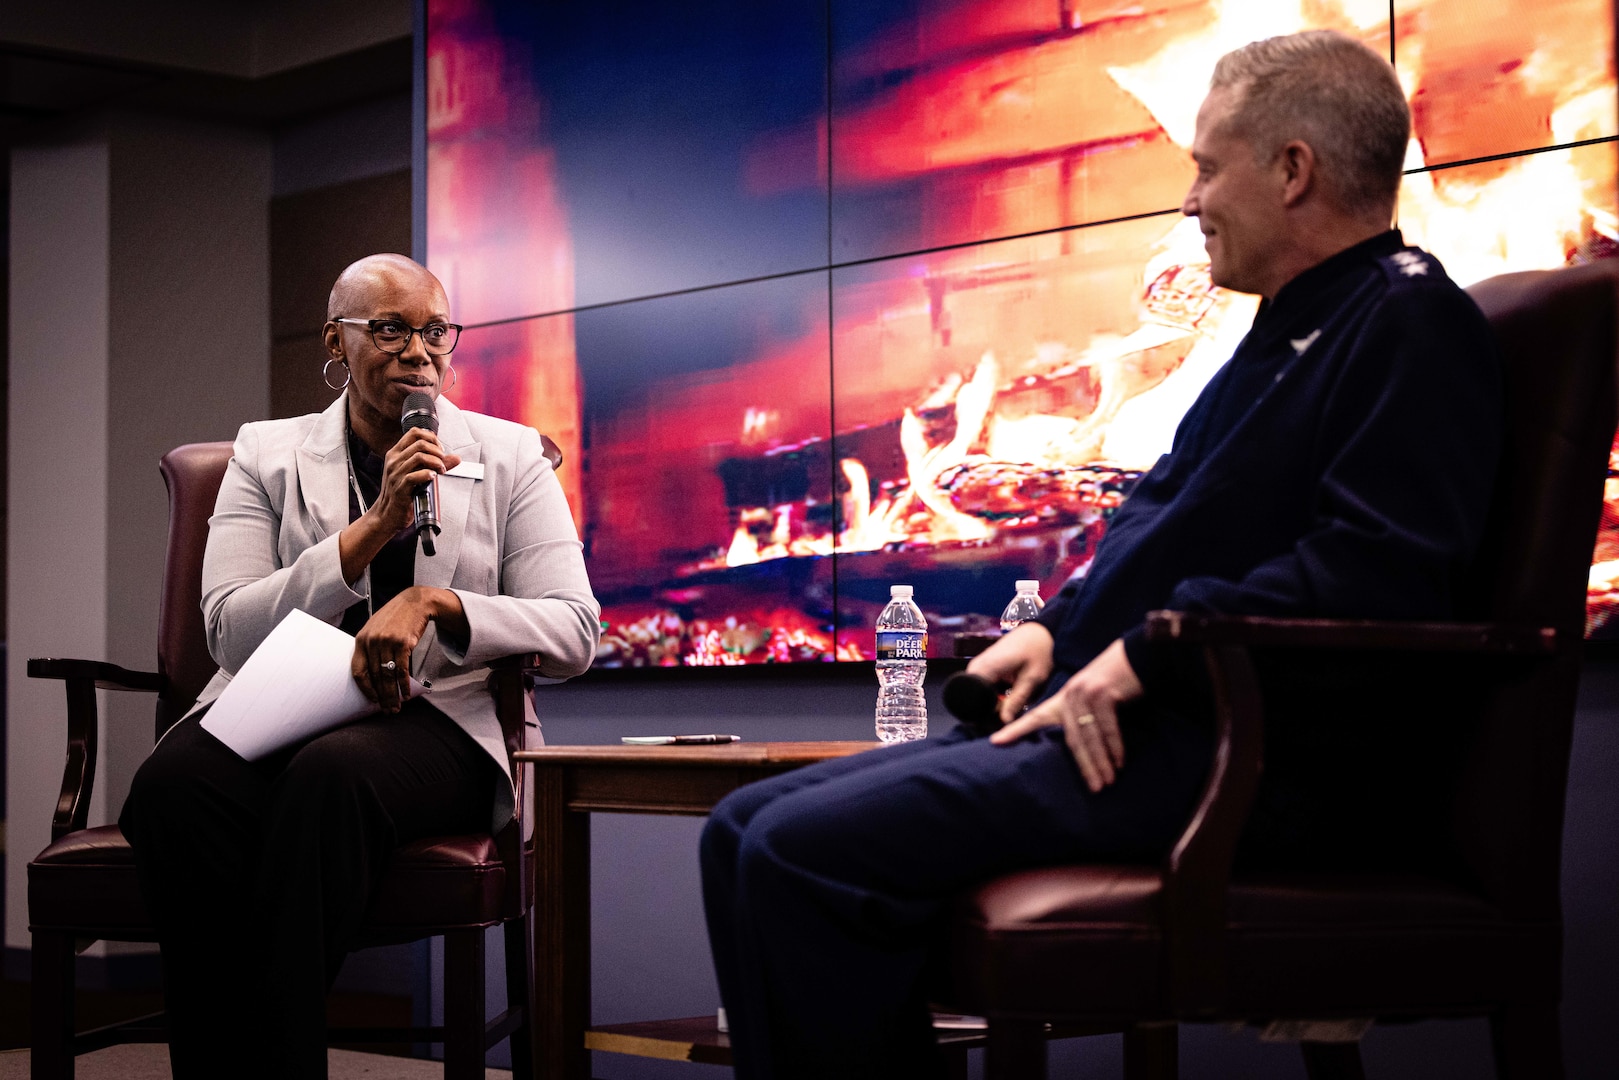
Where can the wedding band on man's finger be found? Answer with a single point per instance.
(1088, 718)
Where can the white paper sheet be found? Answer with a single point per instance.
(295, 685)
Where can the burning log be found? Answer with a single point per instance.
(1015, 495)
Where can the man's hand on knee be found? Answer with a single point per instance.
(1087, 707)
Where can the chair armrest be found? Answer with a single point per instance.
(1262, 632)
(83, 678)
(510, 678)
(1197, 872)
(105, 676)
(526, 662)
(509, 684)
(512, 674)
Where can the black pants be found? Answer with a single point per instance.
(824, 888)
(257, 874)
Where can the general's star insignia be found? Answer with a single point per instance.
(1300, 344)
(1411, 264)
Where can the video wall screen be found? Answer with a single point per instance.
(822, 295)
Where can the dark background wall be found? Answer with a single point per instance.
(314, 234)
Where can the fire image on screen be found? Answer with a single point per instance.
(817, 297)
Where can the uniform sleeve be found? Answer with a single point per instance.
(245, 589)
(1409, 444)
(545, 605)
(1056, 609)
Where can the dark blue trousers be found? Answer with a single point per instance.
(825, 888)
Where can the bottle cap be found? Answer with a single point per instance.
(1028, 586)
(899, 591)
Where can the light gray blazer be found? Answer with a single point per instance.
(509, 550)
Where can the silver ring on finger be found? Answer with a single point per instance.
(1088, 718)
(390, 667)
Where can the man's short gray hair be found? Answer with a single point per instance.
(1330, 91)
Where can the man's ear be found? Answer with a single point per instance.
(1297, 163)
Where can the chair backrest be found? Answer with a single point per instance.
(1559, 336)
(193, 473)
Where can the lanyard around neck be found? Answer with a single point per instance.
(359, 497)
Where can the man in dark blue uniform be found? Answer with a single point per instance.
(1339, 465)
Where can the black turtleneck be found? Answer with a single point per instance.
(393, 570)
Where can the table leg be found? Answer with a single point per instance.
(562, 932)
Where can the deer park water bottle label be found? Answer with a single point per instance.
(901, 645)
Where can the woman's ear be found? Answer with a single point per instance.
(331, 335)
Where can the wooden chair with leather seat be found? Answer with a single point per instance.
(1141, 949)
(83, 885)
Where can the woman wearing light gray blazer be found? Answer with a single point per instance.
(508, 551)
(314, 514)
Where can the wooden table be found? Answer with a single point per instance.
(569, 783)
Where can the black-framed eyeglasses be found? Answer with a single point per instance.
(393, 335)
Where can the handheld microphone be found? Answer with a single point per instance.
(420, 412)
(975, 702)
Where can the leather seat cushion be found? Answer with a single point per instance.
(1066, 939)
(444, 882)
(85, 883)
(1078, 939)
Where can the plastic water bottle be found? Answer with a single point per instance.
(1024, 606)
(902, 664)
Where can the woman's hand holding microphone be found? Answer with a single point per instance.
(383, 647)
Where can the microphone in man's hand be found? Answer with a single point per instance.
(420, 412)
(975, 701)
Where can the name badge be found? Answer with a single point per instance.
(472, 470)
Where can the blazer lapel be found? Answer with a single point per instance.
(454, 500)
(323, 475)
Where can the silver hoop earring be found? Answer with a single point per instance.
(454, 378)
(326, 373)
